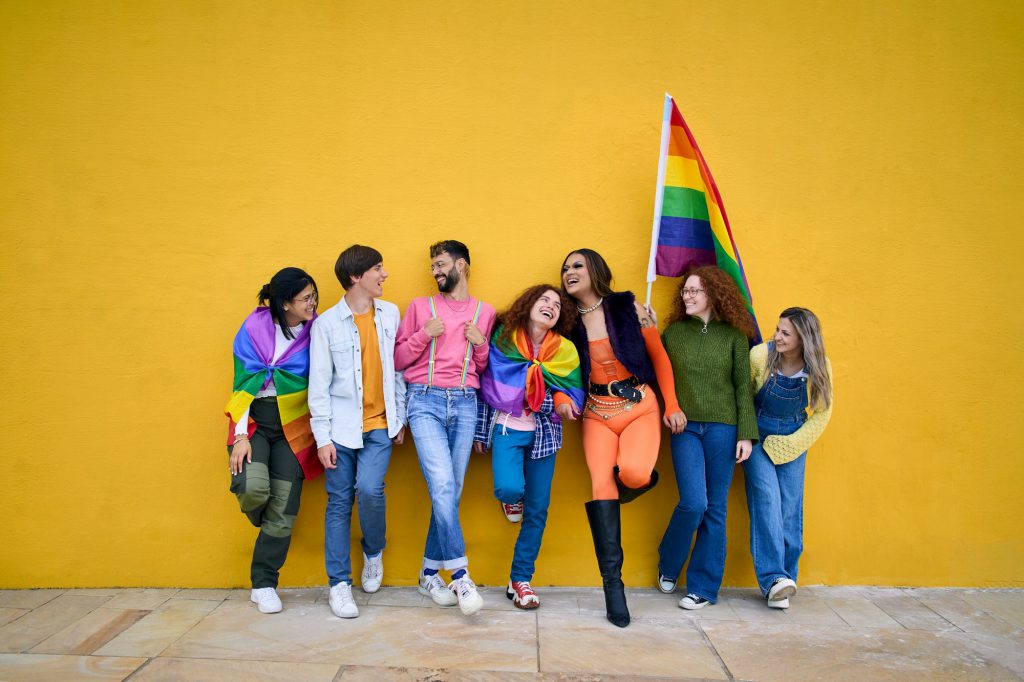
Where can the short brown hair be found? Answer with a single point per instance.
(354, 261)
(453, 248)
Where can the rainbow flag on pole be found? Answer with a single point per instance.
(690, 224)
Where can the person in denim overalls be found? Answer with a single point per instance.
(793, 382)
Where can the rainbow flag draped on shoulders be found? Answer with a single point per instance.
(255, 367)
(513, 378)
(690, 224)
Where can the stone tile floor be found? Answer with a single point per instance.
(829, 633)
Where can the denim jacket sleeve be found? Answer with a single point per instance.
(321, 369)
(400, 386)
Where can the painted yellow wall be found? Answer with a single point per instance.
(159, 161)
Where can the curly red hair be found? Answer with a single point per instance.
(724, 298)
(517, 316)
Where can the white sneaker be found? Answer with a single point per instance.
(666, 585)
(266, 599)
(432, 586)
(470, 600)
(778, 604)
(373, 573)
(783, 588)
(342, 604)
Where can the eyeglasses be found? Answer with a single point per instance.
(690, 292)
(307, 299)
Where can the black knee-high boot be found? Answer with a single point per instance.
(606, 528)
(627, 494)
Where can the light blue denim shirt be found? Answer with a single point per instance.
(335, 375)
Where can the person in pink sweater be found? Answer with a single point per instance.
(442, 349)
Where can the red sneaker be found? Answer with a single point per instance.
(513, 512)
(522, 595)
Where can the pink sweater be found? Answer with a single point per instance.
(412, 346)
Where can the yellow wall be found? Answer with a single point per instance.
(159, 161)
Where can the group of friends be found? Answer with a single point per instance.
(462, 377)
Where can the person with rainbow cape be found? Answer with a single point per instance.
(269, 438)
(532, 383)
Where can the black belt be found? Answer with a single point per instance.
(619, 389)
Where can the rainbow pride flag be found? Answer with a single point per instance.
(254, 367)
(690, 224)
(513, 378)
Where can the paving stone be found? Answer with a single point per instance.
(47, 668)
(90, 632)
(782, 653)
(208, 670)
(591, 644)
(53, 616)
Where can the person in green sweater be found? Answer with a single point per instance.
(708, 344)
(792, 379)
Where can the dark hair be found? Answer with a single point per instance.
(283, 287)
(354, 261)
(453, 248)
(724, 298)
(600, 273)
(518, 314)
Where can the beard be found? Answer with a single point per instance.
(451, 280)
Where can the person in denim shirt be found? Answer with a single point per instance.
(357, 410)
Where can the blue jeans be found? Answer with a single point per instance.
(704, 458)
(775, 502)
(517, 477)
(359, 473)
(442, 421)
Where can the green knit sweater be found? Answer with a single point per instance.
(712, 373)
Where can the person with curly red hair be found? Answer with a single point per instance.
(707, 343)
(532, 384)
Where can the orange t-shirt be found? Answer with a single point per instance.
(374, 415)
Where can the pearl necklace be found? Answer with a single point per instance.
(584, 311)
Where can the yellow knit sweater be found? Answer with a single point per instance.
(782, 449)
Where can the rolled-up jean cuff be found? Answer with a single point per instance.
(447, 564)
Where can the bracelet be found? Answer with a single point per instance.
(240, 437)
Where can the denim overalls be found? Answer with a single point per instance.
(775, 493)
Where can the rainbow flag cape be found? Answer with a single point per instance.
(514, 378)
(690, 224)
(254, 367)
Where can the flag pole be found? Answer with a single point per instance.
(659, 194)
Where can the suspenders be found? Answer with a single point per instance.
(433, 347)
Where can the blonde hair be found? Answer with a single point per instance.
(809, 329)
